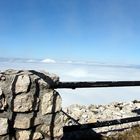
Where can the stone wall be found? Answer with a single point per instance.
(29, 109)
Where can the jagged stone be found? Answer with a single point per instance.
(3, 102)
(3, 126)
(22, 84)
(23, 103)
(26, 135)
(51, 119)
(22, 123)
(51, 102)
(0, 92)
(81, 114)
(101, 113)
(6, 137)
(26, 121)
(52, 131)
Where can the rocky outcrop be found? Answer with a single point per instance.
(77, 114)
(29, 109)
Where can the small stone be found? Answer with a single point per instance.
(3, 102)
(76, 114)
(51, 102)
(22, 122)
(23, 103)
(37, 136)
(56, 131)
(47, 119)
(22, 84)
(0, 91)
(6, 137)
(92, 120)
(25, 122)
(26, 134)
(3, 126)
(23, 135)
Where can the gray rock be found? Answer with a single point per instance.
(51, 102)
(22, 122)
(22, 84)
(3, 102)
(3, 126)
(80, 114)
(56, 117)
(26, 135)
(6, 137)
(57, 130)
(23, 103)
(99, 113)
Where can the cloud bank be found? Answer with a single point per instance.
(48, 60)
(75, 71)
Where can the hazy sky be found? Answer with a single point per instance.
(103, 30)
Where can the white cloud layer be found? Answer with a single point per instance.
(77, 73)
(48, 60)
(31, 60)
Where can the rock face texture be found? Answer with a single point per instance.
(78, 114)
(29, 109)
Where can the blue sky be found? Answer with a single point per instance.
(98, 30)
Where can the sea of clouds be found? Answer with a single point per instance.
(71, 70)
